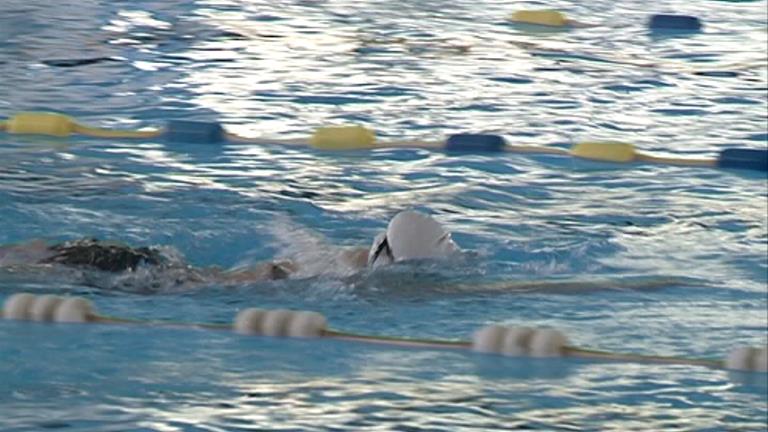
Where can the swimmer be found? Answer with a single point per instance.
(410, 235)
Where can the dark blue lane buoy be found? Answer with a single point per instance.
(475, 143)
(743, 158)
(674, 23)
(194, 132)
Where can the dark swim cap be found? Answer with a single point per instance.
(103, 256)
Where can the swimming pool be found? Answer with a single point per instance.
(281, 69)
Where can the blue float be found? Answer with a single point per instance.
(743, 158)
(686, 23)
(475, 143)
(194, 132)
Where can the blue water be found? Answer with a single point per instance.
(280, 69)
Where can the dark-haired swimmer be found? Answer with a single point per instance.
(409, 235)
(158, 264)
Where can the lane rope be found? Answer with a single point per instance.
(524, 341)
(356, 137)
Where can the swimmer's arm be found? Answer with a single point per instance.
(355, 257)
(261, 272)
(30, 252)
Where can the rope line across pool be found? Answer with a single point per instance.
(361, 138)
(524, 341)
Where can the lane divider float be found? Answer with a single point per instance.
(556, 18)
(59, 125)
(659, 25)
(357, 137)
(548, 20)
(493, 339)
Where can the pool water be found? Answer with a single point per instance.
(410, 70)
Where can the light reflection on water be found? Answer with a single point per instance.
(225, 382)
(280, 69)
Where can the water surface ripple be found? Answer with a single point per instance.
(410, 70)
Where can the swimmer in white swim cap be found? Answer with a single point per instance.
(410, 235)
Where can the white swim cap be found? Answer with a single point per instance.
(411, 235)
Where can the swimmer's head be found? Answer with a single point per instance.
(104, 256)
(411, 235)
